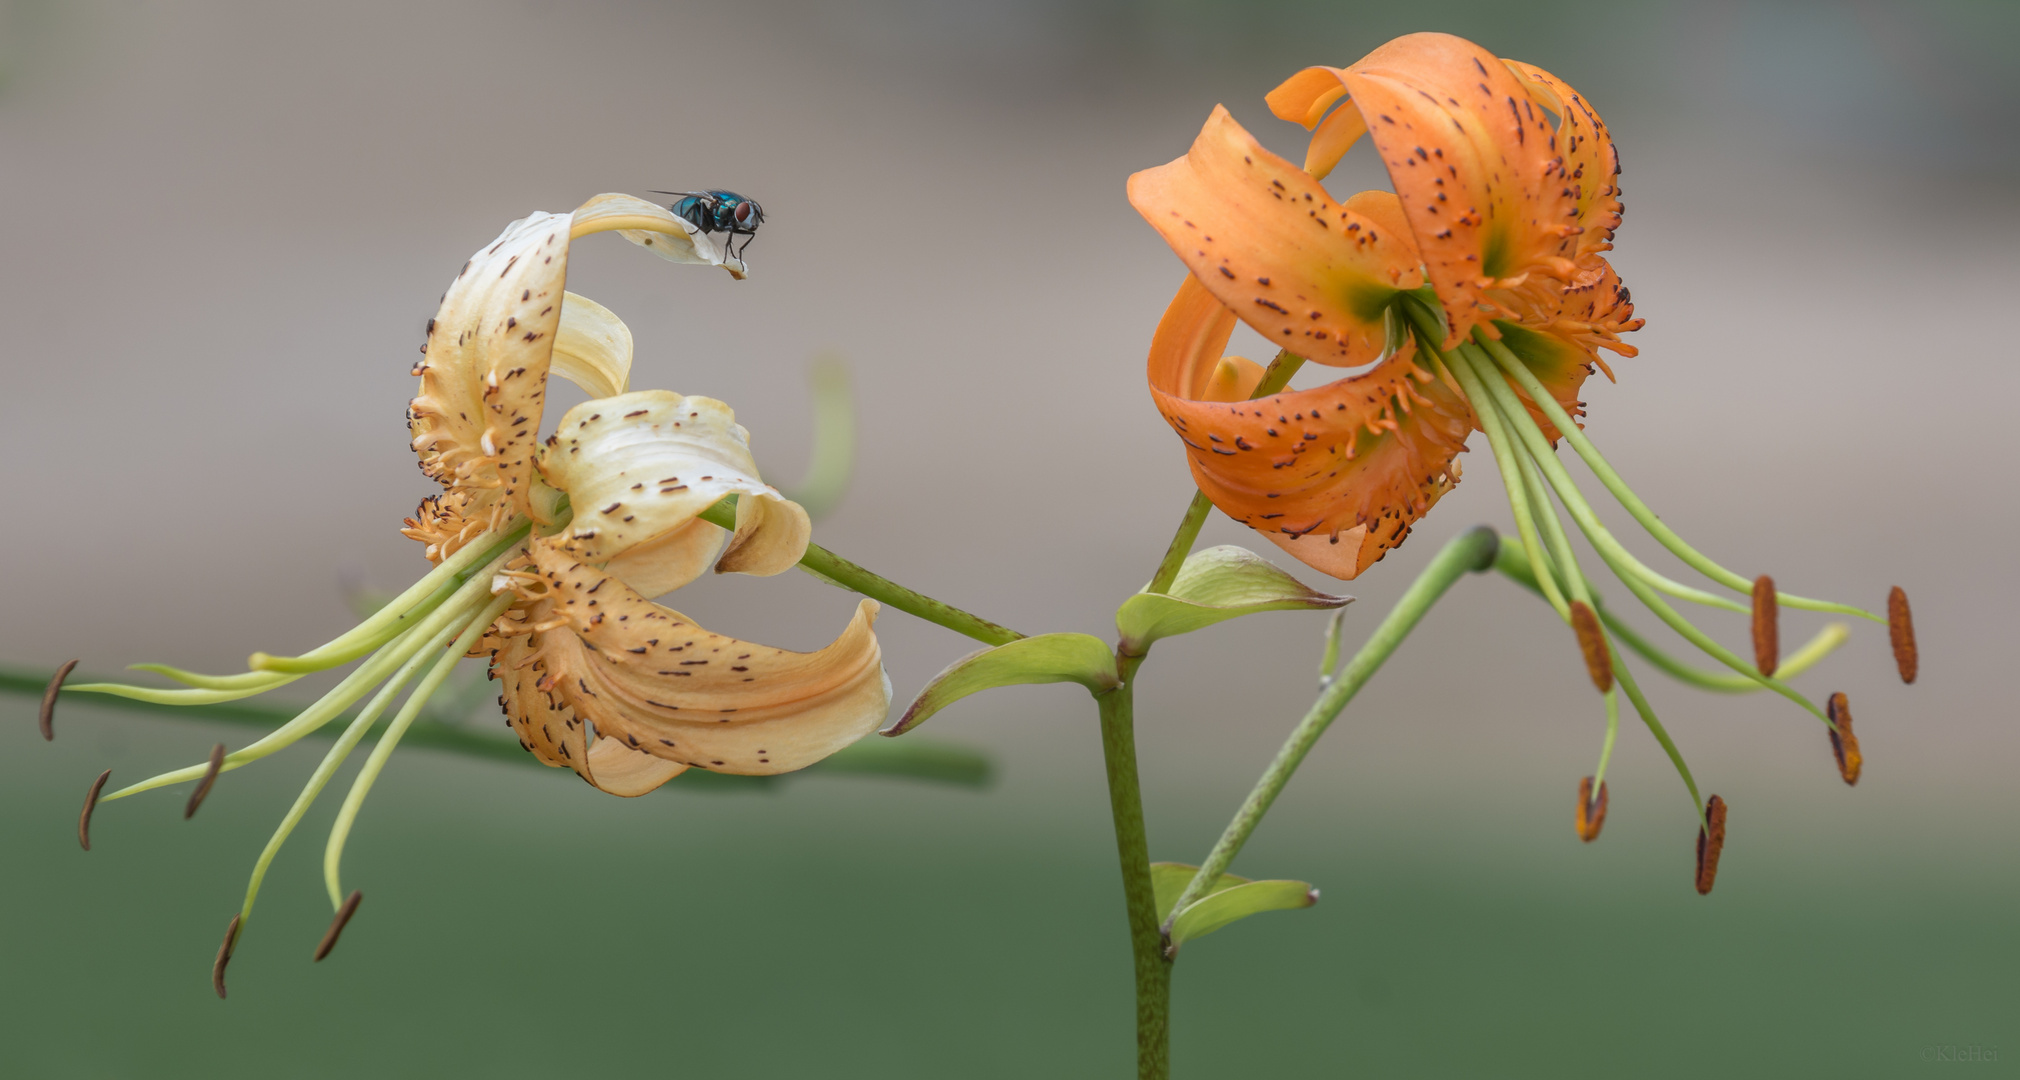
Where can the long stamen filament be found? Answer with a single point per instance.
(335, 759)
(403, 610)
(1594, 460)
(1567, 567)
(346, 693)
(473, 630)
(399, 616)
(1616, 557)
(1655, 728)
(1519, 419)
(1511, 480)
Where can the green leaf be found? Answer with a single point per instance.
(1169, 879)
(1047, 658)
(1231, 904)
(1214, 585)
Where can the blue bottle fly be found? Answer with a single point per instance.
(717, 211)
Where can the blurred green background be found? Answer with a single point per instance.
(226, 224)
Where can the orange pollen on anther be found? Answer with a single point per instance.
(1591, 811)
(1710, 844)
(1767, 641)
(1844, 744)
(1901, 630)
(1592, 642)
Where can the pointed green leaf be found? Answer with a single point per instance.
(1047, 658)
(1169, 879)
(1216, 584)
(1217, 909)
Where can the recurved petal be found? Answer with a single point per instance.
(654, 228)
(650, 678)
(639, 467)
(1311, 275)
(1473, 160)
(772, 535)
(592, 348)
(548, 727)
(1334, 475)
(1591, 162)
(489, 347)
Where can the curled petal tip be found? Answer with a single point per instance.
(338, 923)
(1592, 642)
(90, 804)
(203, 786)
(1844, 744)
(1900, 629)
(1767, 641)
(1710, 843)
(48, 714)
(1591, 810)
(224, 952)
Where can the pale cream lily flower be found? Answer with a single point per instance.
(546, 555)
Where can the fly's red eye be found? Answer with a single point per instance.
(743, 212)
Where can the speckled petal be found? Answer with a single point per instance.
(640, 466)
(650, 678)
(1473, 160)
(654, 228)
(483, 379)
(550, 730)
(1311, 275)
(1335, 475)
(592, 349)
(1591, 162)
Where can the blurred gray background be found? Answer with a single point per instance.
(226, 224)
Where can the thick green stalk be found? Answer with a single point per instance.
(1470, 552)
(1132, 850)
(832, 567)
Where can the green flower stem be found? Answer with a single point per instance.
(1663, 534)
(916, 757)
(1275, 378)
(1470, 552)
(1132, 850)
(1617, 559)
(1512, 566)
(832, 567)
(1511, 476)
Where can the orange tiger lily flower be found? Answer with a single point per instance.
(1500, 212)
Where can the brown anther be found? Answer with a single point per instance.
(1767, 631)
(337, 924)
(62, 673)
(1591, 811)
(224, 952)
(1709, 844)
(90, 804)
(1844, 744)
(1592, 643)
(1900, 628)
(203, 786)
